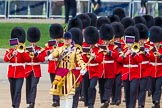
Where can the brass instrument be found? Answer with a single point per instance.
(105, 49)
(20, 47)
(31, 54)
(30, 49)
(135, 47)
(156, 53)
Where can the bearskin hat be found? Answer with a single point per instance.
(114, 18)
(132, 31)
(75, 22)
(158, 21)
(139, 19)
(56, 31)
(18, 32)
(77, 35)
(127, 21)
(93, 18)
(91, 35)
(143, 30)
(119, 12)
(33, 34)
(106, 32)
(118, 29)
(155, 34)
(101, 21)
(149, 20)
(85, 19)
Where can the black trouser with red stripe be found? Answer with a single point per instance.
(142, 91)
(85, 86)
(108, 89)
(31, 88)
(156, 89)
(116, 90)
(15, 90)
(131, 92)
(92, 91)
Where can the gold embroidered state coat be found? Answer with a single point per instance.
(65, 82)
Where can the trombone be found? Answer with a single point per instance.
(135, 47)
(20, 47)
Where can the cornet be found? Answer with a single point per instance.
(31, 51)
(31, 54)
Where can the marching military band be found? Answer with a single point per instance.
(111, 51)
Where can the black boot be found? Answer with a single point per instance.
(90, 106)
(157, 105)
(112, 103)
(105, 105)
(149, 93)
(31, 105)
(140, 106)
(55, 104)
(91, 97)
(118, 102)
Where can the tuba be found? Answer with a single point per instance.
(135, 47)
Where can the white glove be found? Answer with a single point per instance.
(93, 55)
(82, 72)
(14, 52)
(50, 57)
(146, 50)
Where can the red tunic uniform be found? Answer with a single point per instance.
(156, 64)
(108, 62)
(34, 64)
(16, 66)
(145, 64)
(130, 66)
(118, 64)
(52, 64)
(93, 66)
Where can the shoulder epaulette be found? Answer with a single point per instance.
(8, 50)
(115, 46)
(125, 46)
(100, 50)
(46, 45)
(78, 46)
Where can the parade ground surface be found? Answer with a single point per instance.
(43, 99)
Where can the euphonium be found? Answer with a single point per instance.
(135, 47)
(20, 47)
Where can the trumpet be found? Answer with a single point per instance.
(20, 47)
(135, 47)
